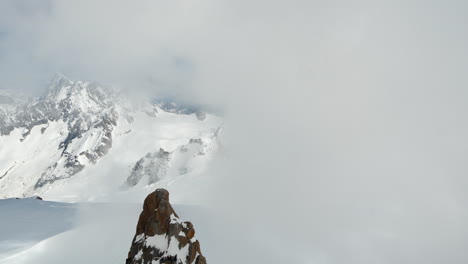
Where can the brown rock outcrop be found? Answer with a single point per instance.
(161, 238)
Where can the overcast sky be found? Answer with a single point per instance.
(346, 120)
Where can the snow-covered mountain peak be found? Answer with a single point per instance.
(58, 88)
(75, 124)
(85, 95)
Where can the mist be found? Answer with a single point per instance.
(345, 132)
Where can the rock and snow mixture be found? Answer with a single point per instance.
(161, 237)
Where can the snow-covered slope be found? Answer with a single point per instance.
(82, 141)
(25, 222)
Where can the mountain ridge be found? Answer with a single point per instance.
(74, 124)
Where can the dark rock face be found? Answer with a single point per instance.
(161, 237)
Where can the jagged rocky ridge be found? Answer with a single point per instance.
(154, 166)
(85, 108)
(161, 237)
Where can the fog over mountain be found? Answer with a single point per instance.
(344, 134)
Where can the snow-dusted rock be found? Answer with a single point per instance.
(161, 237)
(153, 166)
(156, 166)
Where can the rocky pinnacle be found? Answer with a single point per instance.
(161, 237)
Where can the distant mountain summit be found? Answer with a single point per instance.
(87, 109)
(74, 124)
